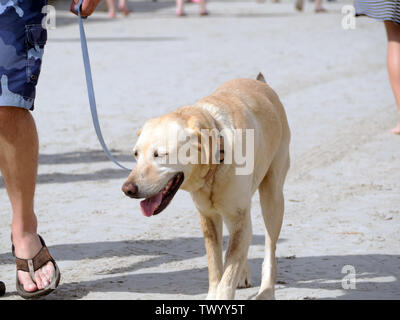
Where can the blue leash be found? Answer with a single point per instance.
(89, 83)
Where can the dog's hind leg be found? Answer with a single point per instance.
(212, 230)
(272, 205)
(239, 226)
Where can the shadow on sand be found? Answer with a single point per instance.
(314, 272)
(90, 156)
(118, 39)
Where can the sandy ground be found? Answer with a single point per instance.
(342, 192)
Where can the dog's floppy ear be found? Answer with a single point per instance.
(260, 77)
(212, 144)
(139, 132)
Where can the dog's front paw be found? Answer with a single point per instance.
(267, 294)
(245, 282)
(211, 295)
(245, 278)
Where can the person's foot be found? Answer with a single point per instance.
(320, 10)
(396, 130)
(124, 9)
(26, 247)
(111, 14)
(204, 13)
(180, 14)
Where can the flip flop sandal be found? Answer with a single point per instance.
(2, 289)
(31, 265)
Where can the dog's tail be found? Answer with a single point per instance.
(260, 77)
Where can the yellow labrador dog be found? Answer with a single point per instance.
(242, 115)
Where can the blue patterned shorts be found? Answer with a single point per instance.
(22, 40)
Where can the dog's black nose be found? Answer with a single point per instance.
(130, 189)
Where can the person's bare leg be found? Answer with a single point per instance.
(124, 7)
(318, 6)
(179, 8)
(111, 8)
(203, 10)
(18, 164)
(393, 64)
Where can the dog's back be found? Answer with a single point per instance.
(238, 96)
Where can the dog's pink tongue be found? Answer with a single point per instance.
(149, 205)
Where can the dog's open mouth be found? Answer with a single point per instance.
(157, 203)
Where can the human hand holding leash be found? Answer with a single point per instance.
(88, 7)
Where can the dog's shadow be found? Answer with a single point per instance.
(377, 275)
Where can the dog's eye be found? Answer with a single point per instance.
(135, 153)
(155, 154)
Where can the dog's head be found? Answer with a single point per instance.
(168, 155)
